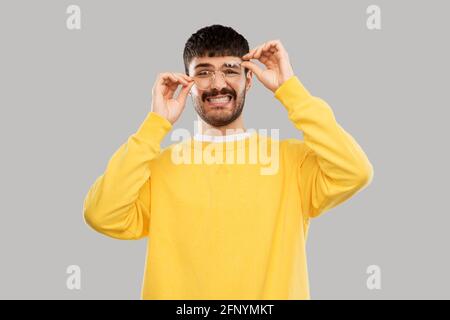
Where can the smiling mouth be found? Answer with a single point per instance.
(219, 101)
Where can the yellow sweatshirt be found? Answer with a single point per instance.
(225, 230)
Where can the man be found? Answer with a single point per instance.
(225, 230)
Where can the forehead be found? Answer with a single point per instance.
(216, 62)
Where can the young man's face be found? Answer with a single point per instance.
(235, 85)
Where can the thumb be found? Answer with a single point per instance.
(184, 93)
(253, 67)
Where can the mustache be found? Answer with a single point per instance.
(216, 92)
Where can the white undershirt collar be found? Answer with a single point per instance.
(225, 138)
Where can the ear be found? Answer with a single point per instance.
(249, 80)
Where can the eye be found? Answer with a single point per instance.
(203, 73)
(229, 71)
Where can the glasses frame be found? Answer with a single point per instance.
(213, 77)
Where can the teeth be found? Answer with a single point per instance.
(220, 100)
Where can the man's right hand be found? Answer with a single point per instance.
(163, 101)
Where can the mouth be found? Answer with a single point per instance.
(219, 101)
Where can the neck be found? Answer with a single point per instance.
(237, 126)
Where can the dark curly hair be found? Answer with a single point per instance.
(214, 41)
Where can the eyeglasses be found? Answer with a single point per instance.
(204, 78)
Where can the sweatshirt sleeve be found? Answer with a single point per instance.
(331, 165)
(118, 202)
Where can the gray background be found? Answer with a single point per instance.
(69, 99)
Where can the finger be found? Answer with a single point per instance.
(170, 79)
(179, 79)
(270, 48)
(184, 93)
(251, 54)
(258, 52)
(266, 54)
(169, 92)
(166, 80)
(280, 46)
(273, 46)
(170, 84)
(264, 58)
(273, 51)
(162, 79)
(253, 67)
(267, 46)
(280, 49)
(160, 85)
(185, 76)
(248, 55)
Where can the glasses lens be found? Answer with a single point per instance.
(204, 81)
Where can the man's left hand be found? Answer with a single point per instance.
(274, 56)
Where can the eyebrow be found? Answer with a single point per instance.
(226, 64)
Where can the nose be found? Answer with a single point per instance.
(218, 81)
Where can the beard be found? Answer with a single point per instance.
(222, 116)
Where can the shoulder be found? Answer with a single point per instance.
(290, 147)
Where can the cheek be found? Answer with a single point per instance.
(241, 88)
(240, 92)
